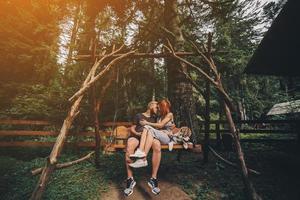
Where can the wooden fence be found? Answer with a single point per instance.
(218, 127)
(38, 124)
(245, 127)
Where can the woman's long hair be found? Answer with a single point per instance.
(164, 107)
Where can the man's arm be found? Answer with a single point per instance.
(160, 124)
(133, 131)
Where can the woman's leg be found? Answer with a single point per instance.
(148, 144)
(143, 139)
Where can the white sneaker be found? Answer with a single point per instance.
(138, 154)
(171, 144)
(139, 163)
(185, 145)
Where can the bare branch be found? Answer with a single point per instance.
(193, 83)
(218, 84)
(95, 66)
(231, 163)
(168, 31)
(208, 60)
(99, 75)
(171, 49)
(63, 165)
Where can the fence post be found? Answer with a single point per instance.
(218, 135)
(207, 122)
(297, 131)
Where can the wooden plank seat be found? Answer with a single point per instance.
(163, 147)
(121, 133)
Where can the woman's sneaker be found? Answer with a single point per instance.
(130, 183)
(139, 163)
(138, 154)
(153, 184)
(170, 145)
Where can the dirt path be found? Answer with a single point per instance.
(142, 191)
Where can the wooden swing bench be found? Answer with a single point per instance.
(121, 133)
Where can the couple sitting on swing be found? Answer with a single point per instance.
(149, 131)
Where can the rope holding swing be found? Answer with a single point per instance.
(116, 104)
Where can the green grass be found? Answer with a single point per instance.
(278, 162)
(81, 181)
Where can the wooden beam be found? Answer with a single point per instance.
(140, 55)
(24, 122)
(49, 133)
(254, 131)
(42, 144)
(116, 123)
(27, 133)
(254, 121)
(44, 122)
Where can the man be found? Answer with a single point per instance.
(133, 143)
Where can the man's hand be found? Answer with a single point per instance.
(138, 133)
(143, 122)
(132, 130)
(173, 126)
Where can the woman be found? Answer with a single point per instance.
(162, 131)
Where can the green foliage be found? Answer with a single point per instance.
(35, 101)
(28, 54)
(34, 85)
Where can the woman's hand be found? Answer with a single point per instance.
(143, 122)
(170, 133)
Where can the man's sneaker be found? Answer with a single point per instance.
(138, 154)
(130, 183)
(139, 163)
(153, 184)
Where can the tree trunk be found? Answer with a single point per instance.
(180, 91)
(251, 193)
(96, 108)
(87, 46)
(152, 68)
(74, 33)
(89, 35)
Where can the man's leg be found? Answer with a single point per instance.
(132, 144)
(156, 157)
(143, 139)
